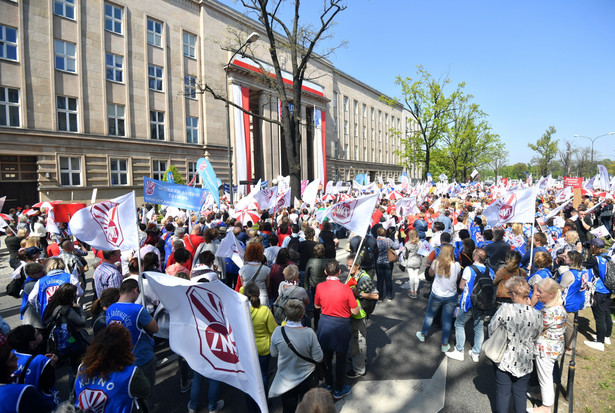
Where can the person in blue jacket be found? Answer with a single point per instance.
(597, 264)
(18, 397)
(542, 264)
(573, 284)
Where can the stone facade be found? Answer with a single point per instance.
(101, 100)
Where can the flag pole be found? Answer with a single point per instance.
(140, 278)
(532, 233)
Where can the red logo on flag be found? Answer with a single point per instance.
(507, 210)
(150, 187)
(106, 215)
(92, 400)
(343, 212)
(218, 336)
(202, 166)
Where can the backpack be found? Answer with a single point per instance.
(61, 341)
(609, 276)
(293, 248)
(484, 291)
(278, 306)
(15, 286)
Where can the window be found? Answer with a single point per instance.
(154, 32)
(113, 18)
(9, 107)
(115, 116)
(115, 67)
(8, 43)
(70, 170)
(119, 171)
(189, 45)
(155, 77)
(65, 56)
(192, 129)
(158, 169)
(156, 123)
(67, 114)
(64, 8)
(345, 104)
(192, 174)
(190, 86)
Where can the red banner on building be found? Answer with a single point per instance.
(573, 182)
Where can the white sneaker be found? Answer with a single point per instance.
(455, 354)
(475, 357)
(595, 345)
(607, 340)
(219, 407)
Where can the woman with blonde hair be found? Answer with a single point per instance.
(445, 271)
(412, 262)
(550, 344)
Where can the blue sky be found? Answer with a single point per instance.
(529, 63)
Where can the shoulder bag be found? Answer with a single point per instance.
(321, 368)
(391, 253)
(495, 346)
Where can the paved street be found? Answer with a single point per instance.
(403, 375)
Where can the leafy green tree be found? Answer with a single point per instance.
(177, 177)
(546, 148)
(431, 109)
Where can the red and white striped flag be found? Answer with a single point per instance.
(108, 225)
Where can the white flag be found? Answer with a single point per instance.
(282, 201)
(266, 197)
(604, 178)
(474, 173)
(600, 232)
(406, 206)
(109, 225)
(354, 214)
(329, 187)
(231, 248)
(309, 195)
(558, 209)
(515, 206)
(425, 249)
(211, 328)
(2, 202)
(51, 227)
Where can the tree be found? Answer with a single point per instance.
(546, 149)
(565, 158)
(291, 46)
(177, 177)
(431, 109)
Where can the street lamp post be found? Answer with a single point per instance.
(592, 141)
(251, 39)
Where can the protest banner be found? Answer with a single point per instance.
(573, 182)
(173, 195)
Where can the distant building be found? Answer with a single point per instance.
(100, 94)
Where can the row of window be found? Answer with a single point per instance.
(119, 169)
(67, 111)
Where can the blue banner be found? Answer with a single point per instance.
(170, 178)
(208, 175)
(180, 196)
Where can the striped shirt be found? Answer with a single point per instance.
(106, 276)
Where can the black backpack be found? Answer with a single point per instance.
(609, 275)
(484, 291)
(61, 339)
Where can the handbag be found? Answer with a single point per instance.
(495, 345)
(391, 254)
(321, 368)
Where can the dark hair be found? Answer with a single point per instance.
(463, 234)
(273, 239)
(107, 297)
(128, 285)
(108, 254)
(169, 227)
(295, 228)
(20, 337)
(182, 256)
(445, 238)
(150, 261)
(133, 265)
(576, 260)
(251, 291)
(468, 246)
(513, 259)
(498, 234)
(309, 233)
(5, 374)
(319, 251)
(66, 294)
(438, 226)
(283, 257)
(207, 258)
(488, 234)
(326, 226)
(34, 269)
(332, 267)
(111, 350)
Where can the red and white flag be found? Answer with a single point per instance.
(515, 206)
(211, 328)
(354, 214)
(231, 248)
(108, 225)
(266, 197)
(282, 201)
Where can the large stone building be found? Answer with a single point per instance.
(98, 94)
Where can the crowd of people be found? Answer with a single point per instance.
(309, 314)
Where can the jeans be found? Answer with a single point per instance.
(384, 273)
(479, 329)
(602, 315)
(448, 305)
(358, 344)
(195, 392)
(505, 384)
(149, 370)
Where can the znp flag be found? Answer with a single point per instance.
(354, 214)
(515, 206)
(211, 328)
(109, 225)
(231, 248)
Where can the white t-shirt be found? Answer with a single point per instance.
(443, 286)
